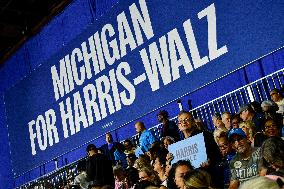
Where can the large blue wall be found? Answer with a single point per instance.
(59, 32)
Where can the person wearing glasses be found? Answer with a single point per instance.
(187, 126)
(271, 128)
(244, 165)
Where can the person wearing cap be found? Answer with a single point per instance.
(244, 165)
(98, 168)
(169, 128)
(278, 98)
(248, 114)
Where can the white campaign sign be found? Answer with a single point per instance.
(192, 148)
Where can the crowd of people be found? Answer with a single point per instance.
(245, 150)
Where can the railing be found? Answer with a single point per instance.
(255, 91)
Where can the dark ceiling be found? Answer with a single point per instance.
(20, 19)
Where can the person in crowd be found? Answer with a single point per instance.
(155, 148)
(219, 125)
(148, 173)
(186, 126)
(169, 128)
(128, 147)
(146, 137)
(160, 166)
(98, 168)
(256, 107)
(249, 129)
(217, 133)
(130, 158)
(226, 119)
(216, 119)
(177, 173)
(81, 178)
(143, 184)
(227, 153)
(132, 177)
(109, 148)
(247, 114)
(261, 183)
(271, 128)
(272, 152)
(166, 141)
(119, 156)
(119, 177)
(278, 98)
(197, 179)
(142, 161)
(199, 124)
(269, 109)
(235, 121)
(244, 165)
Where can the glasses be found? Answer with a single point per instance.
(186, 120)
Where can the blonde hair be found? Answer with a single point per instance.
(249, 125)
(219, 132)
(198, 179)
(142, 162)
(154, 178)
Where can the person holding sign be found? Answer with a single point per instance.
(187, 126)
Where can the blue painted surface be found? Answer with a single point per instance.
(257, 39)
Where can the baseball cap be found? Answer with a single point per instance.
(236, 131)
(243, 108)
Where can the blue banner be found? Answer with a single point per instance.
(139, 56)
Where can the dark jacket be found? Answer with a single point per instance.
(109, 153)
(170, 129)
(99, 170)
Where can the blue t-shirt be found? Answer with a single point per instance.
(146, 139)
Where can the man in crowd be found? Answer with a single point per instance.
(109, 148)
(216, 119)
(278, 98)
(247, 114)
(169, 128)
(187, 126)
(226, 119)
(244, 165)
(219, 125)
(98, 168)
(146, 137)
